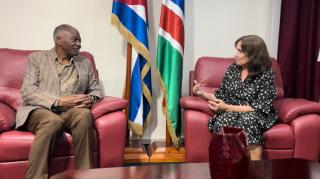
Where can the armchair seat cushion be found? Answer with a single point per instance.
(15, 145)
(280, 136)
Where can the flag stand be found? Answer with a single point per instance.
(135, 151)
(165, 151)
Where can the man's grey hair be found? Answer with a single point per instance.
(62, 27)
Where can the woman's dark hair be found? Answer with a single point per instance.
(255, 49)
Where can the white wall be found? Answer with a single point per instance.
(211, 28)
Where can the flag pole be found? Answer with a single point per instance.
(127, 87)
(134, 151)
(168, 137)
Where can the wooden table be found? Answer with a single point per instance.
(266, 169)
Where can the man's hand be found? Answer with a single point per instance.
(80, 100)
(84, 101)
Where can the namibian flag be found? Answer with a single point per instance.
(130, 18)
(169, 62)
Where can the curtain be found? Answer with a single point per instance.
(299, 44)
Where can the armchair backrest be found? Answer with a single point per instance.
(210, 71)
(279, 84)
(13, 64)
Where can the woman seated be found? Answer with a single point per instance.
(246, 94)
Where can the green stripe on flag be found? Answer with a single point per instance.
(169, 64)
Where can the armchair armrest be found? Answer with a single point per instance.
(7, 117)
(290, 108)
(107, 105)
(111, 136)
(110, 124)
(195, 103)
(11, 97)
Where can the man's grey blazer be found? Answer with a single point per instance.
(40, 88)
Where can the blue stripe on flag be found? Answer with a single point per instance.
(179, 3)
(146, 108)
(135, 91)
(147, 78)
(131, 21)
(147, 82)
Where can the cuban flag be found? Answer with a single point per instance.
(130, 18)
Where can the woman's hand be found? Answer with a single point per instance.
(195, 88)
(199, 92)
(218, 105)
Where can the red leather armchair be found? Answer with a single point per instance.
(110, 124)
(295, 135)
